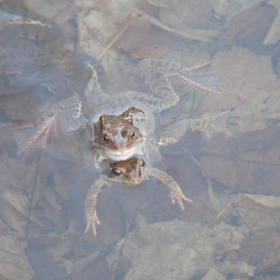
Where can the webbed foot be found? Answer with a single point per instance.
(69, 111)
(175, 191)
(92, 220)
(176, 194)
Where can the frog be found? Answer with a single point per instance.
(128, 173)
(141, 105)
(122, 127)
(117, 137)
(135, 170)
(22, 62)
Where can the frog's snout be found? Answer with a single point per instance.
(134, 176)
(121, 146)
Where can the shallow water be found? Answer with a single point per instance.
(230, 230)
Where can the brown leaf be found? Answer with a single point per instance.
(95, 32)
(247, 163)
(142, 43)
(130, 14)
(14, 264)
(255, 212)
(263, 246)
(193, 16)
(249, 27)
(240, 74)
(259, 112)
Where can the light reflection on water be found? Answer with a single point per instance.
(160, 240)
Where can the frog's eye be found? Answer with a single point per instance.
(116, 172)
(131, 136)
(106, 139)
(142, 163)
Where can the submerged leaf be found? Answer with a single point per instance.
(249, 162)
(255, 214)
(14, 264)
(240, 74)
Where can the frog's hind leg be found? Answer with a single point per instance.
(26, 135)
(152, 71)
(51, 78)
(71, 114)
(174, 132)
(175, 191)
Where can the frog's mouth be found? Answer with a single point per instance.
(122, 153)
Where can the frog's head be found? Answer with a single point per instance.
(118, 138)
(131, 171)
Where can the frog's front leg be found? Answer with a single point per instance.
(90, 205)
(175, 191)
(70, 111)
(174, 132)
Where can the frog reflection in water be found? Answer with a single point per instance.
(123, 125)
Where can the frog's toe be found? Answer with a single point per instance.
(180, 202)
(25, 136)
(178, 197)
(92, 220)
(187, 199)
